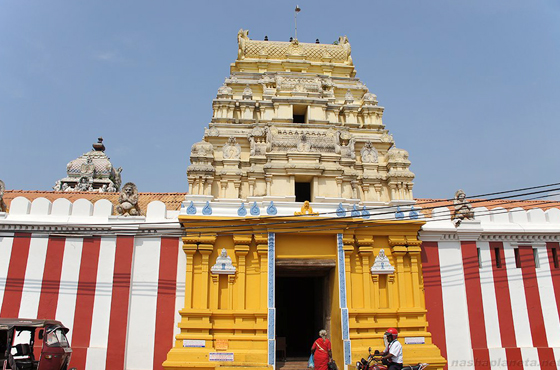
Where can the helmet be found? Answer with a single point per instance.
(394, 333)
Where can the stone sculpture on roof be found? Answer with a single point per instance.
(3, 207)
(223, 265)
(128, 201)
(462, 209)
(92, 171)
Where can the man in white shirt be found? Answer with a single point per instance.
(393, 351)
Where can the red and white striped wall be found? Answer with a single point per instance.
(493, 289)
(120, 295)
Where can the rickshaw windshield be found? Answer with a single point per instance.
(56, 338)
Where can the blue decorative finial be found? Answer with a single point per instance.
(241, 211)
(355, 212)
(207, 210)
(365, 213)
(271, 209)
(191, 209)
(399, 215)
(413, 214)
(340, 211)
(255, 211)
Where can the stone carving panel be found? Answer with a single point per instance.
(369, 153)
(128, 201)
(231, 149)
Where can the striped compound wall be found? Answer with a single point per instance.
(121, 292)
(492, 285)
(493, 289)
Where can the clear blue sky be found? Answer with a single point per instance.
(470, 88)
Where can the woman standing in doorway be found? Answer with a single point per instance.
(321, 351)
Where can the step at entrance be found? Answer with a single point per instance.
(293, 365)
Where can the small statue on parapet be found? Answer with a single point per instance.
(128, 200)
(3, 206)
(306, 210)
(462, 208)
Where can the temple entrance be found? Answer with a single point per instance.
(302, 308)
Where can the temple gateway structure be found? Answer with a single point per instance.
(300, 216)
(293, 181)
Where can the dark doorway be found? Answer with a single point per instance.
(303, 191)
(300, 312)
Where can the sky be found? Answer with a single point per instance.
(471, 89)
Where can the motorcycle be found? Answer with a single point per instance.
(374, 362)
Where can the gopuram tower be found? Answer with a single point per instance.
(299, 217)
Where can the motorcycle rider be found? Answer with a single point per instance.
(392, 355)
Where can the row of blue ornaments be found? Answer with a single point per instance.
(271, 210)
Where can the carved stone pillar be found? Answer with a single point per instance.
(268, 179)
(241, 251)
(208, 187)
(251, 182)
(378, 195)
(354, 184)
(365, 190)
(237, 184)
(339, 185)
(223, 185)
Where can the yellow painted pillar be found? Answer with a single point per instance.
(399, 251)
(241, 251)
(390, 291)
(365, 250)
(414, 253)
(348, 251)
(205, 250)
(190, 249)
(262, 250)
(214, 293)
(375, 279)
(231, 279)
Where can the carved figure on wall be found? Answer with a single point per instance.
(304, 145)
(345, 144)
(83, 185)
(247, 93)
(306, 210)
(382, 265)
(128, 200)
(348, 97)
(111, 188)
(88, 168)
(118, 179)
(224, 264)
(369, 153)
(57, 186)
(65, 187)
(231, 149)
(3, 207)
(462, 208)
(225, 90)
(242, 37)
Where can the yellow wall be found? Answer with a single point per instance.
(234, 307)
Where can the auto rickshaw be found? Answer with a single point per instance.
(34, 345)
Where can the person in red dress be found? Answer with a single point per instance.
(321, 351)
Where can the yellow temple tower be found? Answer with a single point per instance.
(300, 217)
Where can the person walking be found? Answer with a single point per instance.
(321, 351)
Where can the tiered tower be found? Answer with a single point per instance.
(293, 123)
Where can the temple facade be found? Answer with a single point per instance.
(300, 217)
(292, 182)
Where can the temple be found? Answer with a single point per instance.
(297, 136)
(300, 216)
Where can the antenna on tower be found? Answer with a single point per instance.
(297, 10)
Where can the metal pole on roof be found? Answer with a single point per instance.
(297, 10)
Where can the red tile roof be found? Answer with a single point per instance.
(171, 200)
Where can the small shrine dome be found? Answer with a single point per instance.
(92, 171)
